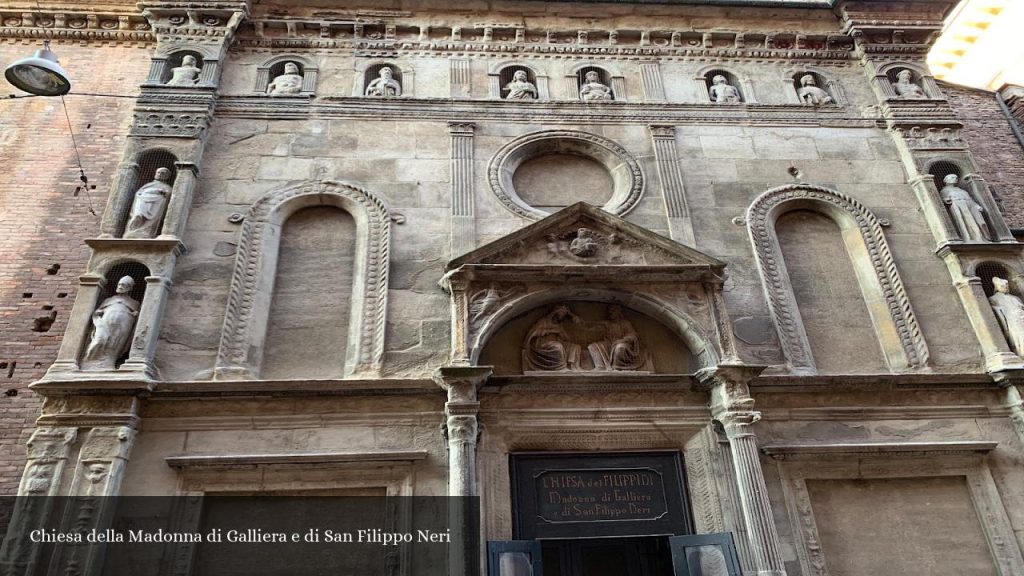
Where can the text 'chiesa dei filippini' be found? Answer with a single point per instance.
(740, 255)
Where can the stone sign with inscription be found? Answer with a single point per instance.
(599, 495)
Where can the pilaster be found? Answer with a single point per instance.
(463, 212)
(669, 172)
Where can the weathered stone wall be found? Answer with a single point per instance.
(47, 211)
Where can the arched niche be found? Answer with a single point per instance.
(170, 56)
(138, 172)
(606, 75)
(274, 67)
(892, 316)
(793, 79)
(111, 350)
(651, 317)
(888, 74)
(249, 299)
(369, 70)
(501, 73)
(704, 81)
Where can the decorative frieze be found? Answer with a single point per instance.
(169, 124)
(87, 26)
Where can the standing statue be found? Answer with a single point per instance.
(286, 84)
(593, 89)
(620, 349)
(548, 346)
(149, 206)
(1010, 311)
(722, 92)
(810, 93)
(520, 88)
(905, 87)
(967, 214)
(385, 84)
(185, 75)
(113, 323)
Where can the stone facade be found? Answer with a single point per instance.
(771, 286)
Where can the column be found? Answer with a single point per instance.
(654, 89)
(935, 212)
(147, 326)
(732, 406)
(461, 427)
(180, 202)
(79, 324)
(679, 225)
(977, 185)
(463, 213)
(1016, 404)
(125, 182)
(461, 82)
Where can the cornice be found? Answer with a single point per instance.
(877, 449)
(78, 24)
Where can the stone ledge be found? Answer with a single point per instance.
(881, 449)
(216, 388)
(290, 459)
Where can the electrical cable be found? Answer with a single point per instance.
(78, 157)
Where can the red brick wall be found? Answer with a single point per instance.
(45, 214)
(998, 153)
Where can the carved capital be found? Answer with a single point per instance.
(462, 429)
(461, 128)
(731, 376)
(462, 382)
(662, 131)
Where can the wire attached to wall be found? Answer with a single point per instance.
(78, 158)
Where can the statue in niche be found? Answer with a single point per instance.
(113, 323)
(185, 75)
(287, 84)
(810, 93)
(593, 89)
(967, 214)
(149, 206)
(385, 84)
(905, 87)
(548, 346)
(722, 92)
(620, 349)
(520, 88)
(1010, 311)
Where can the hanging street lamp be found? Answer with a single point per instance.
(40, 74)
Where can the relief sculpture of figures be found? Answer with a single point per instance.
(810, 93)
(520, 88)
(593, 89)
(905, 87)
(185, 75)
(113, 323)
(1010, 311)
(722, 92)
(149, 206)
(548, 346)
(620, 349)
(967, 214)
(385, 84)
(286, 84)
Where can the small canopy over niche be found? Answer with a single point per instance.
(582, 337)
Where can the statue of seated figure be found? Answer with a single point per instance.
(287, 84)
(810, 93)
(385, 84)
(593, 89)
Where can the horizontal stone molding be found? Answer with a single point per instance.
(889, 449)
(291, 459)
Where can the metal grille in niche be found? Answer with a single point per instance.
(602, 75)
(138, 273)
(989, 270)
(941, 169)
(175, 60)
(506, 74)
(373, 72)
(149, 163)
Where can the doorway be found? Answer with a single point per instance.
(641, 556)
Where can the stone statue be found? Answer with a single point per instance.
(1010, 311)
(385, 84)
(149, 206)
(520, 88)
(585, 244)
(967, 214)
(810, 93)
(905, 87)
(722, 92)
(548, 346)
(185, 75)
(287, 84)
(620, 349)
(593, 89)
(113, 323)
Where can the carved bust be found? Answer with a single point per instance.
(810, 93)
(385, 84)
(967, 214)
(520, 88)
(548, 346)
(113, 323)
(905, 86)
(722, 92)
(593, 89)
(1010, 311)
(149, 206)
(287, 84)
(185, 75)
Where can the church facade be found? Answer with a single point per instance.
(624, 271)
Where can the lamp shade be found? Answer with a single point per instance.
(40, 74)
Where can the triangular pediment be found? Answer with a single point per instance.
(584, 235)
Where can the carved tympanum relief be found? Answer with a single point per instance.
(113, 323)
(287, 84)
(520, 88)
(557, 340)
(385, 84)
(149, 206)
(967, 213)
(905, 86)
(722, 92)
(1009, 309)
(593, 88)
(187, 74)
(810, 93)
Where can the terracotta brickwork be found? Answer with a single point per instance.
(995, 148)
(46, 214)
